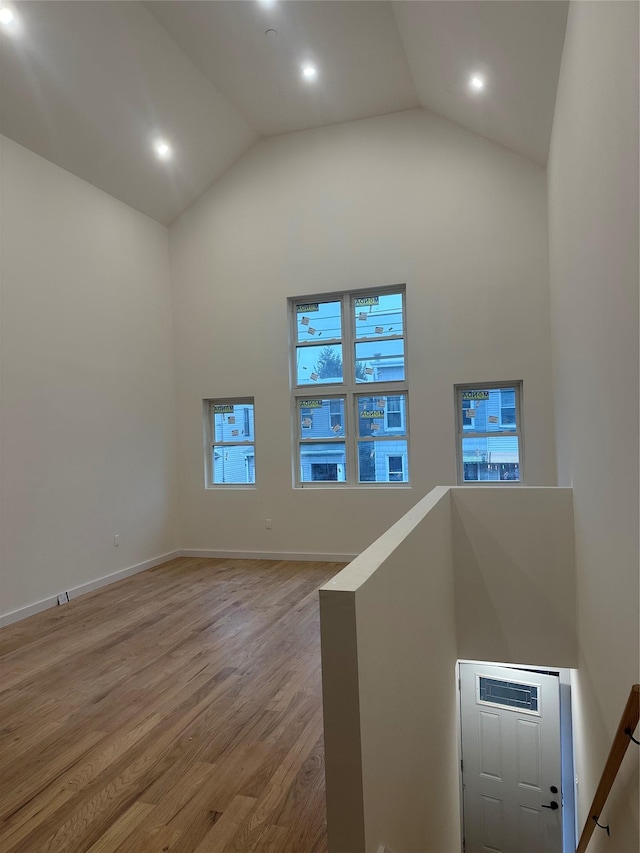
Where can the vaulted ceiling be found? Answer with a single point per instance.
(91, 85)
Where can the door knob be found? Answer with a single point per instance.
(552, 805)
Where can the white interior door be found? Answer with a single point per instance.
(511, 772)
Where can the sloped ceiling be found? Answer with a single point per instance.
(90, 85)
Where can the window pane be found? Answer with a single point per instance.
(395, 413)
(321, 418)
(490, 459)
(396, 468)
(488, 410)
(233, 464)
(468, 415)
(233, 422)
(379, 361)
(382, 461)
(318, 320)
(323, 462)
(319, 365)
(381, 415)
(513, 694)
(508, 408)
(376, 316)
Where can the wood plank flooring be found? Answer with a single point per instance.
(176, 711)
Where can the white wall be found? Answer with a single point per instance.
(514, 563)
(481, 573)
(406, 198)
(593, 234)
(389, 682)
(88, 438)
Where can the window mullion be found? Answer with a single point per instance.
(348, 361)
(349, 390)
(348, 336)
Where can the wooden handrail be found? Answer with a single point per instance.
(621, 741)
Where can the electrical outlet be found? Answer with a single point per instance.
(116, 540)
(267, 524)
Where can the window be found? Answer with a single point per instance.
(336, 415)
(342, 343)
(507, 694)
(468, 415)
(507, 407)
(489, 433)
(321, 445)
(377, 444)
(229, 430)
(394, 413)
(326, 471)
(395, 468)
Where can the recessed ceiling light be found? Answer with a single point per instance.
(163, 149)
(477, 83)
(9, 21)
(309, 72)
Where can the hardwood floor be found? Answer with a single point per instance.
(177, 710)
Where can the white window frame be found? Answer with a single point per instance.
(208, 411)
(310, 425)
(401, 428)
(399, 456)
(502, 423)
(349, 389)
(467, 423)
(336, 414)
(309, 440)
(507, 432)
(339, 472)
(379, 441)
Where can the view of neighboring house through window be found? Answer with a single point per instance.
(230, 430)
(322, 450)
(341, 343)
(379, 444)
(489, 426)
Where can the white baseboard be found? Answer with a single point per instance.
(74, 592)
(29, 610)
(270, 555)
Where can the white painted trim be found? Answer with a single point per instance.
(75, 592)
(269, 555)
(351, 578)
(29, 610)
